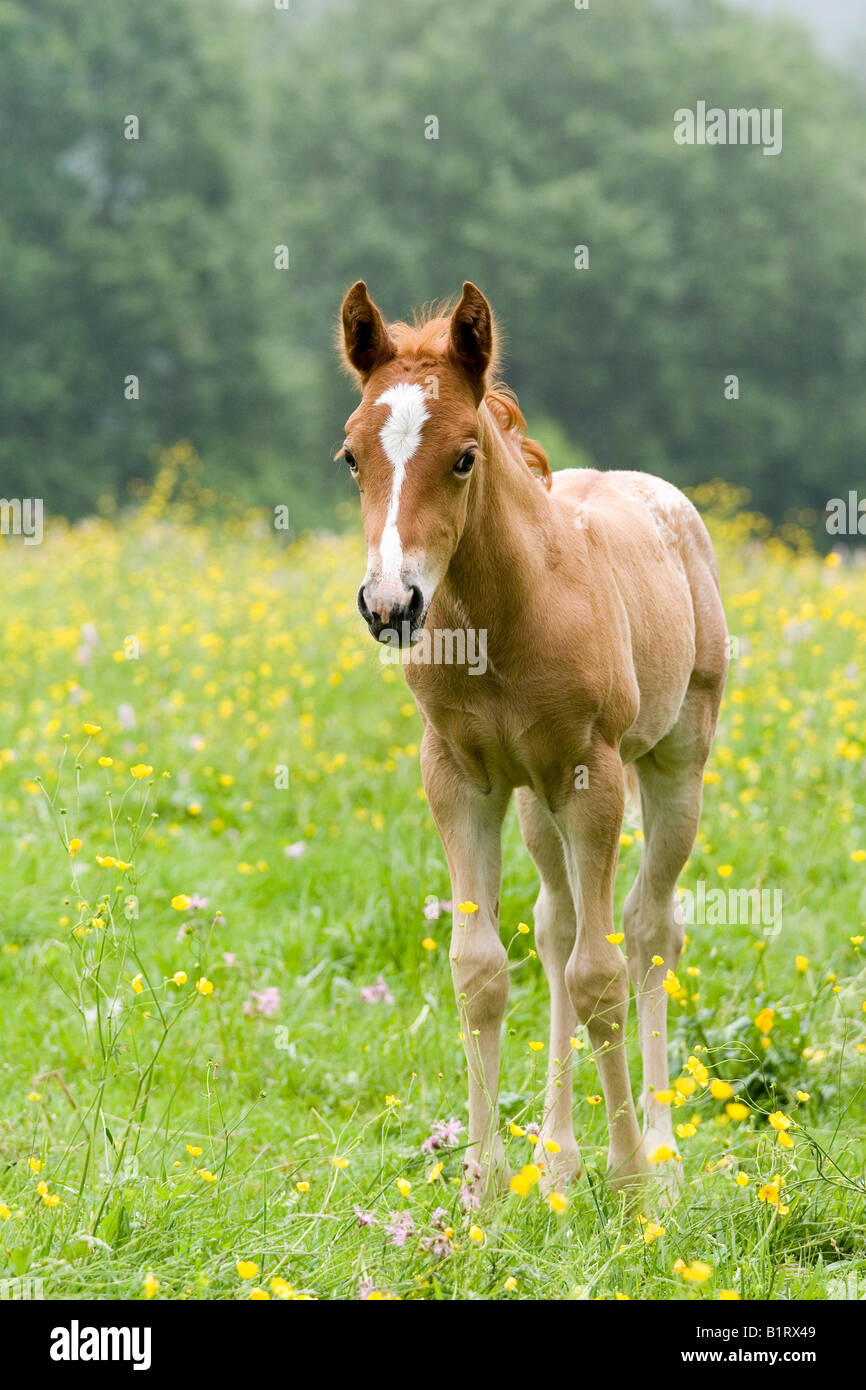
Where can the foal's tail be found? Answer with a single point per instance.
(632, 794)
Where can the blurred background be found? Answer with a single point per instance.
(306, 127)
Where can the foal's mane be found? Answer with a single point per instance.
(427, 338)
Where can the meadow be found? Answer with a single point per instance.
(230, 1057)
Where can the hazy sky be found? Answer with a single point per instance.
(835, 23)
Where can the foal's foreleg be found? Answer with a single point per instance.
(470, 825)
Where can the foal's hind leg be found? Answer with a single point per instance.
(555, 933)
(590, 822)
(671, 780)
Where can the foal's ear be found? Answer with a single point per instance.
(472, 336)
(366, 341)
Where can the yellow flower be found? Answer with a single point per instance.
(536, 1047)
(652, 1231)
(392, 1100)
(404, 1187)
(522, 928)
(856, 940)
(339, 1162)
(92, 729)
(50, 1199)
(593, 1100)
(247, 1269)
(615, 937)
(802, 964)
(280, 1289)
(698, 1071)
(510, 1284)
(552, 1146)
(34, 1097)
(141, 770)
(180, 902)
(720, 1090)
(672, 986)
(858, 856)
(764, 1021)
(803, 1096)
(206, 1175)
(476, 1234)
(5, 1212)
(663, 1154)
(151, 1286)
(467, 908)
(725, 870)
(193, 1150)
(428, 943)
(577, 1044)
(260, 1295)
(728, 1295)
(74, 846)
(434, 1172)
(742, 1179)
(106, 861)
(736, 1110)
(663, 1097)
(696, 1273)
(523, 1182)
(179, 977)
(658, 960)
(138, 984)
(302, 1186)
(558, 1203)
(779, 1120)
(204, 985)
(516, 1130)
(685, 1085)
(686, 1131)
(785, 1140)
(35, 1164)
(105, 762)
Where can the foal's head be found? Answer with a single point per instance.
(412, 446)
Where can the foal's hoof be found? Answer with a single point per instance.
(667, 1167)
(560, 1168)
(632, 1179)
(484, 1178)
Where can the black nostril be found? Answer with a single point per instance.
(415, 605)
(362, 606)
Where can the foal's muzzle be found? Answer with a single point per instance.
(398, 626)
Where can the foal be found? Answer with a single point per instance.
(605, 646)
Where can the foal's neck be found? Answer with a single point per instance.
(504, 550)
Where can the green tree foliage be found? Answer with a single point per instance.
(124, 256)
(307, 127)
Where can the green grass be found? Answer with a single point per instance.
(252, 658)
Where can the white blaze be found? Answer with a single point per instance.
(400, 436)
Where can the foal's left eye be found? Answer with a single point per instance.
(464, 465)
(351, 462)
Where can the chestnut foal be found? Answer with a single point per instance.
(606, 646)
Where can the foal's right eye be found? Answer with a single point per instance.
(464, 465)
